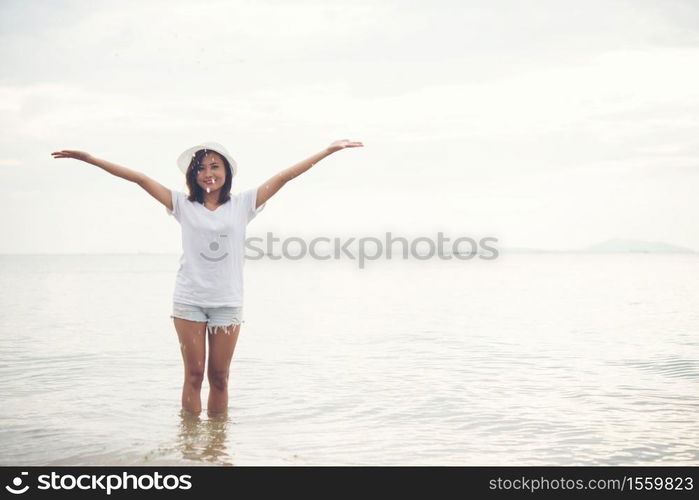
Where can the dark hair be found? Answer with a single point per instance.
(196, 193)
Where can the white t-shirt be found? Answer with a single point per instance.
(213, 249)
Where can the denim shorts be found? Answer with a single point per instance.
(214, 317)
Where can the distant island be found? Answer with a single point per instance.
(618, 245)
(615, 245)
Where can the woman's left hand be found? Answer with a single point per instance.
(342, 144)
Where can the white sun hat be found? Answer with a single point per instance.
(185, 158)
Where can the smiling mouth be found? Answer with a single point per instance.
(214, 259)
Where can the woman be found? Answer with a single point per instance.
(208, 295)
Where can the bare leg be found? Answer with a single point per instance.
(221, 347)
(193, 347)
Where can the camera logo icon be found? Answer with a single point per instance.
(216, 247)
(17, 482)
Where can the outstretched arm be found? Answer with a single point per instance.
(274, 184)
(155, 189)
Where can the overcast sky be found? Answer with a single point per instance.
(548, 124)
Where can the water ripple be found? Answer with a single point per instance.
(674, 367)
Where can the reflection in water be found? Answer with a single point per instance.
(204, 440)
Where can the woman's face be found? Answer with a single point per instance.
(211, 174)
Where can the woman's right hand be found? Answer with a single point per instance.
(71, 153)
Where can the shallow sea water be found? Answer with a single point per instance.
(531, 359)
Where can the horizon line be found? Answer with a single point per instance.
(501, 250)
